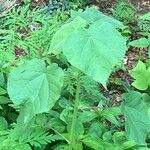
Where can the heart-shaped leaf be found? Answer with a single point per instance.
(96, 50)
(35, 86)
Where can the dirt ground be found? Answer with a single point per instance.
(142, 5)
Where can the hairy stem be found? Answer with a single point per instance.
(74, 119)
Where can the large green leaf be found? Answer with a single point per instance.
(137, 118)
(92, 15)
(35, 86)
(91, 43)
(95, 50)
(141, 74)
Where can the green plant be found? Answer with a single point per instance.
(39, 84)
(141, 43)
(125, 11)
(144, 41)
(76, 42)
(26, 32)
(136, 112)
(41, 77)
(80, 39)
(141, 75)
(33, 136)
(51, 99)
(144, 22)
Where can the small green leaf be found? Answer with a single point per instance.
(87, 116)
(141, 75)
(145, 16)
(35, 86)
(96, 129)
(140, 43)
(111, 113)
(1, 79)
(2, 91)
(93, 143)
(120, 139)
(3, 123)
(4, 100)
(137, 118)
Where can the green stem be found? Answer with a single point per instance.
(74, 119)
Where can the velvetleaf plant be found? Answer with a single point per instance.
(91, 43)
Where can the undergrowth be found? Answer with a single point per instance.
(52, 66)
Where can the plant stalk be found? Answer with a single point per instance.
(74, 119)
